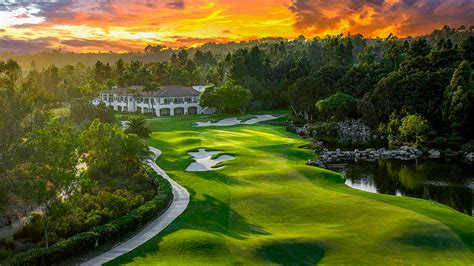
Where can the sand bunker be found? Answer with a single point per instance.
(234, 121)
(203, 161)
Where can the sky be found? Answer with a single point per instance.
(122, 26)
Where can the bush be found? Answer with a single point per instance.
(87, 240)
(5, 253)
(32, 229)
(325, 128)
(440, 142)
(337, 106)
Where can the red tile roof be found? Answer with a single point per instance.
(165, 91)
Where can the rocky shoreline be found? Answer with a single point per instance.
(402, 153)
(354, 132)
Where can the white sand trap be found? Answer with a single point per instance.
(203, 161)
(124, 124)
(234, 121)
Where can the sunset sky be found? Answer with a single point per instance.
(120, 25)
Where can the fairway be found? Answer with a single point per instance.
(266, 206)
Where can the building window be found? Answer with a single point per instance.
(168, 100)
(178, 100)
(188, 100)
(147, 100)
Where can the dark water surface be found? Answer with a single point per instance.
(449, 183)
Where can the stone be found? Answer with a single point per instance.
(353, 132)
(470, 156)
(434, 154)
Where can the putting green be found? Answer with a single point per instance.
(267, 206)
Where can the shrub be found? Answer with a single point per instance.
(325, 128)
(339, 106)
(32, 229)
(100, 234)
(440, 142)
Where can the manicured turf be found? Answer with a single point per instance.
(267, 206)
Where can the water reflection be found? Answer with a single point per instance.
(449, 183)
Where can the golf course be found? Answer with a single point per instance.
(266, 206)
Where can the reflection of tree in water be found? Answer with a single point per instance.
(444, 182)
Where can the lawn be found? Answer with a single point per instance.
(267, 206)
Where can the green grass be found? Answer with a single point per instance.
(268, 207)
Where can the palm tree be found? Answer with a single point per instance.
(132, 152)
(136, 125)
(151, 87)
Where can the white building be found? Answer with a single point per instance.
(169, 100)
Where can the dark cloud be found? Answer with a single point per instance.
(405, 17)
(308, 14)
(9, 44)
(176, 4)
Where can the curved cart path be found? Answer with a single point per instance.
(179, 204)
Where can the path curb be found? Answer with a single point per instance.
(179, 204)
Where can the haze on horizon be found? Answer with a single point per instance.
(121, 26)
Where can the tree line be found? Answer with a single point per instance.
(386, 78)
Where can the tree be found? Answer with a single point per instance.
(182, 57)
(103, 72)
(104, 114)
(466, 48)
(51, 173)
(458, 96)
(210, 98)
(235, 97)
(131, 154)
(99, 142)
(150, 49)
(301, 96)
(414, 127)
(339, 106)
(110, 153)
(119, 73)
(82, 110)
(419, 47)
(136, 125)
(230, 97)
(9, 73)
(51, 80)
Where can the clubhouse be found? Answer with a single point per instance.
(169, 100)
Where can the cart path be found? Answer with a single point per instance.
(179, 204)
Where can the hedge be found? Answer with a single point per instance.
(99, 235)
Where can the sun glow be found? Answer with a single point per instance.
(126, 25)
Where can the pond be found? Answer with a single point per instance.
(449, 183)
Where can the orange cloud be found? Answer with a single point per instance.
(379, 17)
(123, 25)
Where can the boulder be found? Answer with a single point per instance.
(470, 156)
(434, 154)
